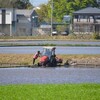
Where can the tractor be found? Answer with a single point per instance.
(48, 57)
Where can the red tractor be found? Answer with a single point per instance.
(48, 58)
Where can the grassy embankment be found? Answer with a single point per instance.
(50, 92)
(80, 37)
(71, 37)
(47, 44)
(26, 59)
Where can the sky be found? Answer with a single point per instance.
(38, 2)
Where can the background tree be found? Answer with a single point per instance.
(63, 7)
(43, 13)
(20, 4)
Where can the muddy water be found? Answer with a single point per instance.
(49, 75)
(59, 50)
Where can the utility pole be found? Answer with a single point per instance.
(51, 16)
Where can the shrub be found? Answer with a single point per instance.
(96, 36)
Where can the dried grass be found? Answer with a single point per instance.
(26, 59)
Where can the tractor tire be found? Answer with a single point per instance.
(53, 62)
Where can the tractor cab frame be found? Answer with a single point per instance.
(48, 57)
(48, 51)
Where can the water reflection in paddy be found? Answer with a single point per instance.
(59, 50)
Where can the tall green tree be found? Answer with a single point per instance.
(43, 13)
(63, 7)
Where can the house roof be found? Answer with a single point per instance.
(24, 12)
(88, 11)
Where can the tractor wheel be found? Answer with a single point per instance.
(53, 62)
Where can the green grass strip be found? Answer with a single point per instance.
(50, 92)
(47, 44)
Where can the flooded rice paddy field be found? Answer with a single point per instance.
(49, 75)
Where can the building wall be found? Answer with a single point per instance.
(86, 25)
(5, 29)
(83, 28)
(12, 24)
(23, 26)
(7, 18)
(34, 19)
(83, 20)
(10, 15)
(23, 29)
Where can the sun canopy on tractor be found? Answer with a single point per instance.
(48, 51)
